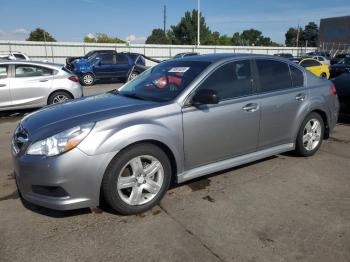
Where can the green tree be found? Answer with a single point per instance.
(237, 39)
(292, 35)
(251, 36)
(102, 38)
(40, 35)
(310, 34)
(185, 32)
(158, 36)
(225, 40)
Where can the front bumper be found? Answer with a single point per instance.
(68, 181)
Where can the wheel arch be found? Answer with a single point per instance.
(325, 121)
(164, 147)
(324, 117)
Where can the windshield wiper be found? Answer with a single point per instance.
(132, 95)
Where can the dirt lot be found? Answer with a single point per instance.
(283, 208)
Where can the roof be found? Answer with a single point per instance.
(39, 63)
(224, 56)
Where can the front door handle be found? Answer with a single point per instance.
(44, 80)
(2, 85)
(251, 107)
(300, 97)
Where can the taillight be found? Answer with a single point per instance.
(333, 90)
(74, 79)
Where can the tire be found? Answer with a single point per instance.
(59, 97)
(310, 137)
(125, 186)
(87, 79)
(324, 75)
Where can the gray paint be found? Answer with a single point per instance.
(202, 139)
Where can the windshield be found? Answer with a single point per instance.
(89, 54)
(164, 81)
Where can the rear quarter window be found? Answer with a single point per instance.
(297, 76)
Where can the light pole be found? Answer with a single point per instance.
(198, 22)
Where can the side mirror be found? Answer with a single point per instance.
(205, 97)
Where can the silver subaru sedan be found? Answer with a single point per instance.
(28, 84)
(177, 121)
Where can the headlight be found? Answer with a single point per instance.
(61, 142)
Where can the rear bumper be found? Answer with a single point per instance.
(68, 181)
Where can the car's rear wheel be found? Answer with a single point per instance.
(324, 75)
(88, 79)
(136, 179)
(59, 97)
(310, 135)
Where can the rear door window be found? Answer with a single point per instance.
(32, 71)
(273, 75)
(122, 59)
(231, 80)
(297, 76)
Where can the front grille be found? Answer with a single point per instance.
(20, 138)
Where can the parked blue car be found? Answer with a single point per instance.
(107, 66)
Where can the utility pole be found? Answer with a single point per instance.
(298, 40)
(164, 19)
(198, 22)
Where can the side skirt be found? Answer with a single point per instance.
(232, 162)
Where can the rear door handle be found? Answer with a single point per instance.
(300, 97)
(44, 80)
(251, 107)
(2, 85)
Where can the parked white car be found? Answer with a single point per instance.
(26, 84)
(13, 56)
(322, 60)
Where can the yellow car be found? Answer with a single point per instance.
(315, 67)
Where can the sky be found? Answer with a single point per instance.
(71, 20)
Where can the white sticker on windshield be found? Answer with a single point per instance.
(178, 69)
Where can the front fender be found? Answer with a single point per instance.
(107, 137)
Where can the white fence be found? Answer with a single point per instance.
(58, 51)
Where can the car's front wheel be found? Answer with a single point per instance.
(310, 135)
(88, 79)
(136, 179)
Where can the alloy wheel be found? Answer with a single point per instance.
(312, 134)
(59, 99)
(140, 180)
(88, 79)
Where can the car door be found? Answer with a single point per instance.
(31, 85)
(104, 67)
(229, 128)
(282, 96)
(5, 95)
(121, 65)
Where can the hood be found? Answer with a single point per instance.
(82, 62)
(56, 118)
